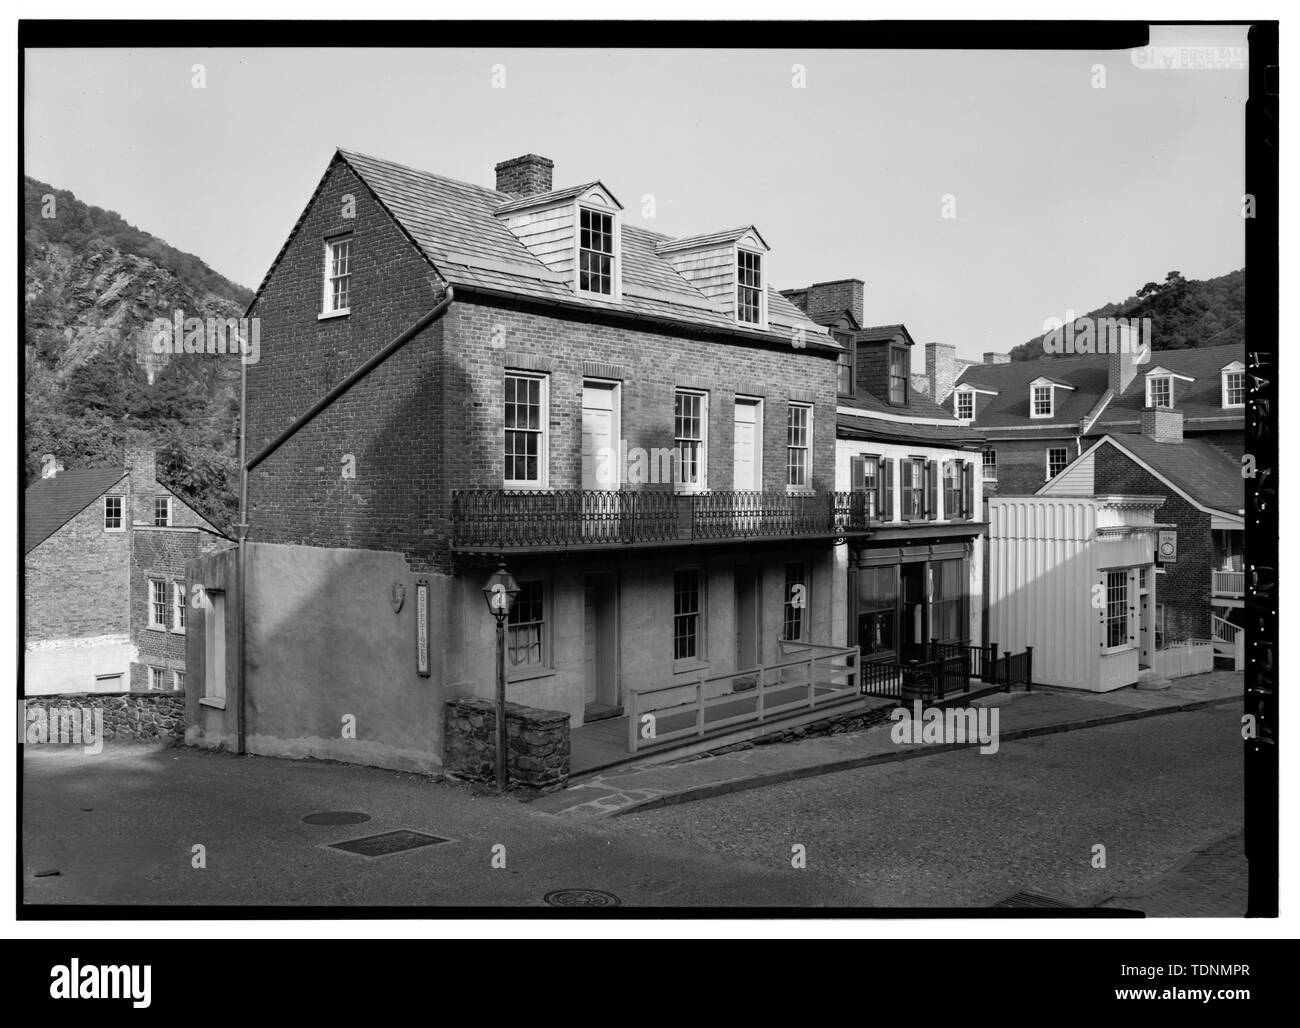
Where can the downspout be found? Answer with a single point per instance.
(247, 465)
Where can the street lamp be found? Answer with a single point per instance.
(500, 593)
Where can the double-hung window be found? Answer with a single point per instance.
(158, 603)
(798, 438)
(1234, 389)
(990, 463)
(162, 511)
(1116, 608)
(913, 486)
(157, 678)
(113, 514)
(525, 430)
(749, 287)
(690, 438)
(1161, 391)
(178, 606)
(965, 403)
(952, 489)
(898, 375)
(687, 607)
(338, 276)
(871, 484)
(795, 623)
(595, 251)
(844, 364)
(1057, 458)
(1042, 401)
(526, 626)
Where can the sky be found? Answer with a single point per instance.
(1067, 196)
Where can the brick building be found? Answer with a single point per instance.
(919, 574)
(104, 564)
(638, 425)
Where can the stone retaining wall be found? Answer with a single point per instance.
(537, 743)
(127, 717)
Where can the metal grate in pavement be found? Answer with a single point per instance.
(1033, 901)
(388, 843)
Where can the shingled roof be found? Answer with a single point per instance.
(455, 226)
(52, 502)
(1194, 466)
(1089, 375)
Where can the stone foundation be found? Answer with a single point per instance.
(127, 717)
(537, 743)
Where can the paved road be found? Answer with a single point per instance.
(955, 829)
(964, 829)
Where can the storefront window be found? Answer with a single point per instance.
(877, 597)
(947, 591)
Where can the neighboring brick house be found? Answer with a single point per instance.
(104, 552)
(1037, 416)
(638, 424)
(918, 576)
(1199, 584)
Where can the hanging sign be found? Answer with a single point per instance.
(1167, 552)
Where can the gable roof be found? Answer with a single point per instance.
(1197, 469)
(454, 226)
(729, 235)
(884, 333)
(1089, 375)
(51, 503)
(555, 196)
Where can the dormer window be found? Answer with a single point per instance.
(1233, 383)
(595, 252)
(1042, 402)
(899, 375)
(749, 287)
(964, 403)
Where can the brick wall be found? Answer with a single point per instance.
(429, 420)
(77, 580)
(1185, 587)
(1022, 466)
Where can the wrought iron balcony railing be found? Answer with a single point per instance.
(500, 519)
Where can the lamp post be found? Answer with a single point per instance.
(500, 593)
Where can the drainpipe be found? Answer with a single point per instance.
(247, 465)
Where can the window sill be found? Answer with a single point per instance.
(515, 677)
(215, 702)
(529, 487)
(799, 490)
(685, 667)
(1110, 651)
(158, 628)
(326, 315)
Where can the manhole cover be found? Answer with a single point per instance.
(336, 817)
(388, 843)
(1033, 901)
(581, 898)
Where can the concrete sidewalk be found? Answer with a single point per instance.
(1020, 715)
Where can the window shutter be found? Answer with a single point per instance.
(886, 504)
(856, 466)
(931, 489)
(968, 490)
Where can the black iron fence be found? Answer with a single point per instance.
(949, 670)
(503, 519)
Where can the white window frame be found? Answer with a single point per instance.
(1235, 368)
(327, 309)
(214, 649)
(807, 448)
(178, 680)
(702, 485)
(178, 607)
(962, 397)
(761, 287)
(615, 256)
(155, 623)
(543, 430)
(1169, 386)
(121, 513)
(1129, 602)
(156, 677)
(168, 501)
(985, 464)
(1033, 401)
(1047, 461)
(546, 665)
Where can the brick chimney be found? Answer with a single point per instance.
(142, 467)
(845, 294)
(1123, 368)
(528, 175)
(1162, 425)
(996, 358)
(940, 369)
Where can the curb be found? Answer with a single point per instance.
(703, 792)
